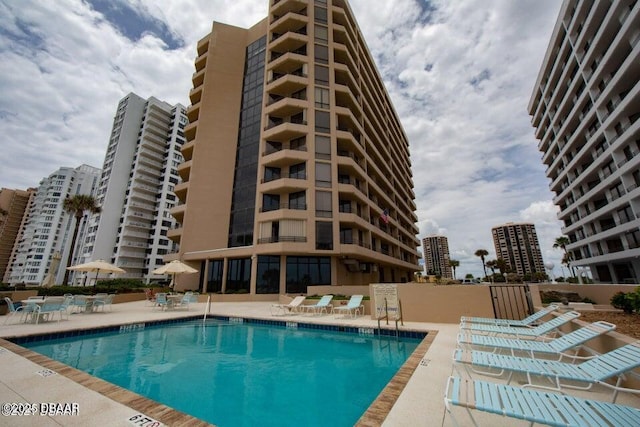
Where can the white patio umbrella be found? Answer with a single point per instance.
(98, 266)
(174, 268)
(50, 278)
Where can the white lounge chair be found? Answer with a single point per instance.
(353, 308)
(291, 308)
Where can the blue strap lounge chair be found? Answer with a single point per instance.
(535, 406)
(526, 322)
(581, 376)
(559, 347)
(542, 329)
(353, 308)
(321, 306)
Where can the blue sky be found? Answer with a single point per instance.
(460, 74)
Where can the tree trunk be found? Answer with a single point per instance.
(72, 249)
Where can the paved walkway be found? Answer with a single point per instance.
(25, 378)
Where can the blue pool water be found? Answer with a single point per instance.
(234, 374)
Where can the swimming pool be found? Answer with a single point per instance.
(242, 374)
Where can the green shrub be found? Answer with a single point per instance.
(620, 301)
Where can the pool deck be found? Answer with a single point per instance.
(413, 398)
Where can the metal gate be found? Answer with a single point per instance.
(511, 301)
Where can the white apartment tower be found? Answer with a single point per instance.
(585, 107)
(136, 187)
(435, 250)
(48, 228)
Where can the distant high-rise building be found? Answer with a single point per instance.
(518, 246)
(14, 205)
(49, 229)
(136, 189)
(585, 107)
(435, 251)
(297, 169)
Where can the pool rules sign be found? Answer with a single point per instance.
(385, 298)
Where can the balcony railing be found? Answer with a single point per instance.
(278, 239)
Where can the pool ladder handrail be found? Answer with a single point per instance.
(386, 316)
(207, 308)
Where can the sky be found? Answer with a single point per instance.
(459, 73)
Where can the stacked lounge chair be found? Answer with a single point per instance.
(539, 356)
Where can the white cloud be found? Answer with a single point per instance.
(460, 74)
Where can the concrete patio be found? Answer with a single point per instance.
(26, 378)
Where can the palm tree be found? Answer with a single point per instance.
(482, 253)
(502, 265)
(453, 263)
(492, 265)
(76, 206)
(562, 242)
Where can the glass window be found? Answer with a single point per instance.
(271, 173)
(214, 279)
(321, 75)
(238, 275)
(323, 174)
(323, 147)
(320, 14)
(323, 204)
(299, 144)
(323, 121)
(321, 33)
(298, 171)
(344, 206)
(270, 202)
(321, 54)
(346, 236)
(322, 97)
(307, 271)
(298, 200)
(324, 235)
(268, 275)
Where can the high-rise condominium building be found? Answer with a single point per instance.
(585, 107)
(435, 250)
(136, 187)
(14, 205)
(296, 169)
(49, 229)
(518, 246)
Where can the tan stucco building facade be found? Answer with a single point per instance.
(297, 169)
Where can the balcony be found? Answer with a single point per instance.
(279, 239)
(285, 131)
(285, 157)
(285, 84)
(197, 78)
(178, 212)
(286, 107)
(289, 41)
(289, 20)
(284, 185)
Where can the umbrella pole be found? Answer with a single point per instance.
(96, 281)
